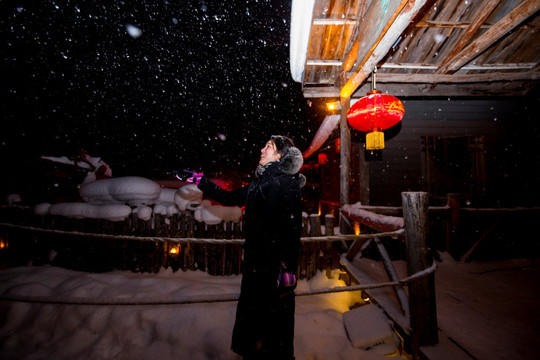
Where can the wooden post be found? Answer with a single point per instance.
(364, 177)
(422, 302)
(329, 251)
(329, 225)
(314, 225)
(313, 249)
(345, 161)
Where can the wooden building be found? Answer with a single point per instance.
(467, 73)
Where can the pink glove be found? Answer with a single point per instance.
(196, 178)
(286, 279)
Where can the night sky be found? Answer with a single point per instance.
(203, 86)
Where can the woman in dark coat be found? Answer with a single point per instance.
(264, 327)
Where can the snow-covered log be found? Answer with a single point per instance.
(371, 219)
(328, 125)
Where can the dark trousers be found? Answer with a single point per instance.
(264, 327)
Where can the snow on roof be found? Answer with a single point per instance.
(301, 17)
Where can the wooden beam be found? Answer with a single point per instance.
(414, 66)
(467, 35)
(462, 25)
(372, 23)
(481, 89)
(515, 17)
(345, 161)
(453, 79)
(395, 27)
(448, 79)
(474, 67)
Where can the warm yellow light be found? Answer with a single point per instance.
(356, 228)
(335, 105)
(3, 244)
(365, 296)
(174, 250)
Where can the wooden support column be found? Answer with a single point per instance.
(364, 177)
(345, 161)
(422, 300)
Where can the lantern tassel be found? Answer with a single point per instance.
(375, 140)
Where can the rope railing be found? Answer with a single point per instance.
(192, 299)
(197, 240)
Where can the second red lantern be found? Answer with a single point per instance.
(372, 114)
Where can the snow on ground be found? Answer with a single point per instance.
(488, 309)
(185, 331)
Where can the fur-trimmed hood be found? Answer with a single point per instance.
(291, 163)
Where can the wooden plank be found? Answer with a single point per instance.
(428, 49)
(457, 78)
(377, 21)
(383, 45)
(464, 25)
(466, 36)
(514, 18)
(345, 160)
(481, 89)
(393, 277)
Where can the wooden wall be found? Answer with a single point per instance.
(402, 166)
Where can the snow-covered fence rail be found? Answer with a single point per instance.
(177, 241)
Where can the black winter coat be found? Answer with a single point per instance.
(273, 216)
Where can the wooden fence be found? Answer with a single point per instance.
(176, 242)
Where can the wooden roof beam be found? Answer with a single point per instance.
(467, 35)
(467, 78)
(462, 25)
(515, 17)
(481, 67)
(378, 51)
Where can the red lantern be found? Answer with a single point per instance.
(372, 114)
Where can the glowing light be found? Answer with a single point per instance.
(322, 158)
(365, 297)
(334, 105)
(372, 114)
(356, 228)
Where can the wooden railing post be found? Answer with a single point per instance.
(422, 303)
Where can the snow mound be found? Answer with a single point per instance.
(375, 332)
(188, 197)
(214, 214)
(132, 190)
(78, 210)
(143, 212)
